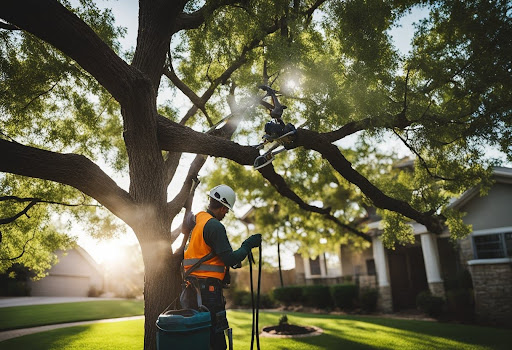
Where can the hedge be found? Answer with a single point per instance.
(344, 295)
(430, 304)
(316, 296)
(288, 295)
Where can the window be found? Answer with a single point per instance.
(314, 266)
(370, 267)
(493, 246)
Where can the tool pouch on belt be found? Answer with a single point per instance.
(213, 299)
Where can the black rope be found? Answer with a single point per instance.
(255, 309)
(258, 301)
(251, 259)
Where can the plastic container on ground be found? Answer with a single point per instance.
(183, 329)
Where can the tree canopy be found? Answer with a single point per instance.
(71, 101)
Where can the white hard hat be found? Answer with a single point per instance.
(224, 194)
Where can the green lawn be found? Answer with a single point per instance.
(39, 315)
(341, 332)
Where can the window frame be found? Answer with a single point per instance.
(501, 233)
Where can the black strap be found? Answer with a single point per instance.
(197, 264)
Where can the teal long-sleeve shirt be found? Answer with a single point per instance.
(214, 234)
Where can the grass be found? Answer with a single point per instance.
(340, 332)
(39, 315)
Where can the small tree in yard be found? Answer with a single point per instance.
(69, 99)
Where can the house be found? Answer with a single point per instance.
(434, 261)
(76, 274)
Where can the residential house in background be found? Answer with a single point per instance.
(76, 274)
(434, 261)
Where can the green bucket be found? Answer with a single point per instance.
(183, 329)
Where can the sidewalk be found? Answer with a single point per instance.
(20, 301)
(25, 331)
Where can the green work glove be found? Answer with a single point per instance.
(252, 242)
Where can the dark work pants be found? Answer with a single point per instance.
(213, 298)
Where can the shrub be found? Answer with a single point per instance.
(242, 298)
(460, 304)
(288, 295)
(430, 304)
(316, 296)
(94, 292)
(368, 299)
(344, 295)
(283, 320)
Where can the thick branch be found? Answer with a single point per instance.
(282, 187)
(193, 20)
(76, 39)
(69, 169)
(178, 138)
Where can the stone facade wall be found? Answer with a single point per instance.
(466, 250)
(492, 285)
(437, 288)
(367, 281)
(385, 300)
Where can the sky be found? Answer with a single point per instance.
(125, 13)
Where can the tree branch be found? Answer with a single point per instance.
(397, 121)
(179, 138)
(23, 250)
(423, 162)
(69, 169)
(312, 140)
(200, 102)
(77, 40)
(33, 201)
(8, 26)
(195, 19)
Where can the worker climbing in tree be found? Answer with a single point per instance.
(208, 258)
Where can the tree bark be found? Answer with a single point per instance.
(161, 283)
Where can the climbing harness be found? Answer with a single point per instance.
(276, 130)
(255, 308)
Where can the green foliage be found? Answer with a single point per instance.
(396, 229)
(344, 295)
(452, 93)
(49, 102)
(430, 304)
(460, 304)
(455, 224)
(283, 320)
(368, 299)
(242, 298)
(316, 296)
(288, 295)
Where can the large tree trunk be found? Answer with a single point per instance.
(161, 284)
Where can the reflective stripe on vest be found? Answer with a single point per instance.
(197, 248)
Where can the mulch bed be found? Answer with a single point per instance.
(290, 331)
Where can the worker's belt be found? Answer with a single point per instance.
(203, 267)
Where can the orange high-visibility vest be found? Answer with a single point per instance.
(197, 248)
